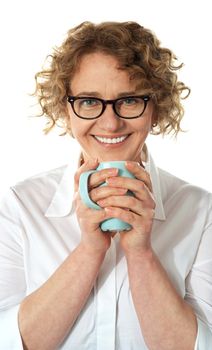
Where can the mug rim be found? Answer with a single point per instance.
(111, 163)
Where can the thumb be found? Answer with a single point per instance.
(90, 164)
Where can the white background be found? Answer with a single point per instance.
(29, 30)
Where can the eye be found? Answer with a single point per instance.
(128, 101)
(89, 102)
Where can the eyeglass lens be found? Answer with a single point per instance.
(128, 107)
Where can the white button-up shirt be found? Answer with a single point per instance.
(39, 229)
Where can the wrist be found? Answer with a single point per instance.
(93, 251)
(146, 254)
(136, 249)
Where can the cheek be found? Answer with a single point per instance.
(69, 117)
(74, 123)
(80, 128)
(147, 121)
(77, 129)
(143, 126)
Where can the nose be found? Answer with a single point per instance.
(109, 121)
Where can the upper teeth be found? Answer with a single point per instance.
(111, 140)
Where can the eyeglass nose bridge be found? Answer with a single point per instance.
(109, 102)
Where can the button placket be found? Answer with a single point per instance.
(106, 301)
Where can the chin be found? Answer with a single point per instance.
(112, 158)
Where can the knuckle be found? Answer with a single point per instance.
(93, 194)
(151, 213)
(152, 203)
(148, 225)
(80, 208)
(130, 216)
(131, 201)
(103, 215)
(147, 175)
(141, 185)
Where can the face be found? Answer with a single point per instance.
(108, 137)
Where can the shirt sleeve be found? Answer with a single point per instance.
(199, 286)
(10, 338)
(12, 275)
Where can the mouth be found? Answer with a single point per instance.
(111, 140)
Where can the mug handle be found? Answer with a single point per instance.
(83, 190)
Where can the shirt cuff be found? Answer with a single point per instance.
(10, 337)
(204, 337)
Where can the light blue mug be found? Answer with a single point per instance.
(112, 224)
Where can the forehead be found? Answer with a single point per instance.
(96, 59)
(99, 68)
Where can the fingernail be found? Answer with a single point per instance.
(109, 210)
(109, 180)
(113, 171)
(100, 202)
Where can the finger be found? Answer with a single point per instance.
(90, 164)
(135, 220)
(91, 215)
(102, 192)
(121, 214)
(129, 202)
(85, 213)
(100, 176)
(139, 188)
(140, 173)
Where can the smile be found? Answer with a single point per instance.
(111, 140)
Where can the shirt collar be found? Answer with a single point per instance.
(62, 202)
(151, 168)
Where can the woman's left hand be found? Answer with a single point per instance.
(137, 210)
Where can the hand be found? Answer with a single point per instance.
(90, 219)
(137, 210)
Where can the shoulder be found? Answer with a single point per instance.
(38, 188)
(45, 180)
(173, 187)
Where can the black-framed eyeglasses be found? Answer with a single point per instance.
(128, 107)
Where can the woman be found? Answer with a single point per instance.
(65, 284)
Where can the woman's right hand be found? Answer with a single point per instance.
(89, 219)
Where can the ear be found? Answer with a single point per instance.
(67, 119)
(154, 119)
(68, 129)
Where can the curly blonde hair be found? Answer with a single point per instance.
(137, 50)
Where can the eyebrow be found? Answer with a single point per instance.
(97, 94)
